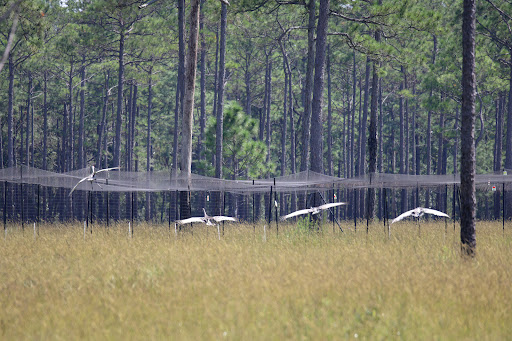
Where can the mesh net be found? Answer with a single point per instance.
(33, 194)
(158, 181)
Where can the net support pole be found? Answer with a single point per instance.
(91, 198)
(446, 202)
(5, 206)
(22, 206)
(176, 210)
(504, 206)
(169, 211)
(38, 216)
(453, 205)
(354, 212)
(108, 206)
(131, 218)
(275, 201)
(223, 209)
(253, 210)
(331, 211)
(87, 210)
(368, 205)
(384, 206)
(270, 208)
(335, 210)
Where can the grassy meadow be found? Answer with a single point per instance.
(295, 285)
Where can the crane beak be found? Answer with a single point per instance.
(226, 2)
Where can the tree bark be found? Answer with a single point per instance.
(29, 102)
(468, 162)
(45, 120)
(188, 105)
(364, 121)
(202, 118)
(103, 120)
(316, 107)
(10, 114)
(81, 123)
(372, 137)
(219, 132)
(306, 119)
(329, 115)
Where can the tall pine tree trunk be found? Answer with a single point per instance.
(468, 161)
(219, 130)
(306, 118)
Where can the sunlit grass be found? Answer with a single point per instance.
(62, 284)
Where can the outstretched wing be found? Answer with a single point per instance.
(403, 215)
(296, 213)
(78, 183)
(220, 218)
(333, 204)
(106, 169)
(191, 220)
(435, 212)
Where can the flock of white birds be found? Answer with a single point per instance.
(206, 219)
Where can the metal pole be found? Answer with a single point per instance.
(275, 201)
(5, 206)
(223, 210)
(331, 211)
(270, 208)
(22, 206)
(87, 210)
(169, 211)
(368, 205)
(504, 206)
(354, 212)
(453, 204)
(108, 205)
(253, 210)
(90, 208)
(38, 207)
(131, 194)
(446, 207)
(176, 210)
(385, 208)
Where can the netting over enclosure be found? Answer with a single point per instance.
(157, 181)
(33, 194)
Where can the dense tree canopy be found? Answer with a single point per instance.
(98, 82)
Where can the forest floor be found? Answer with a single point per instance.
(413, 285)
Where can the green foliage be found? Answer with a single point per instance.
(243, 153)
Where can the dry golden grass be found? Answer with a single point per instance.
(297, 285)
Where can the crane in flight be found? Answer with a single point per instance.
(418, 212)
(313, 210)
(206, 220)
(92, 177)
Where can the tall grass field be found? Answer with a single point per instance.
(255, 283)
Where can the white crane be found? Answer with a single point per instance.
(418, 212)
(313, 210)
(92, 177)
(206, 220)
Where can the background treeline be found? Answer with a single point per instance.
(101, 83)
